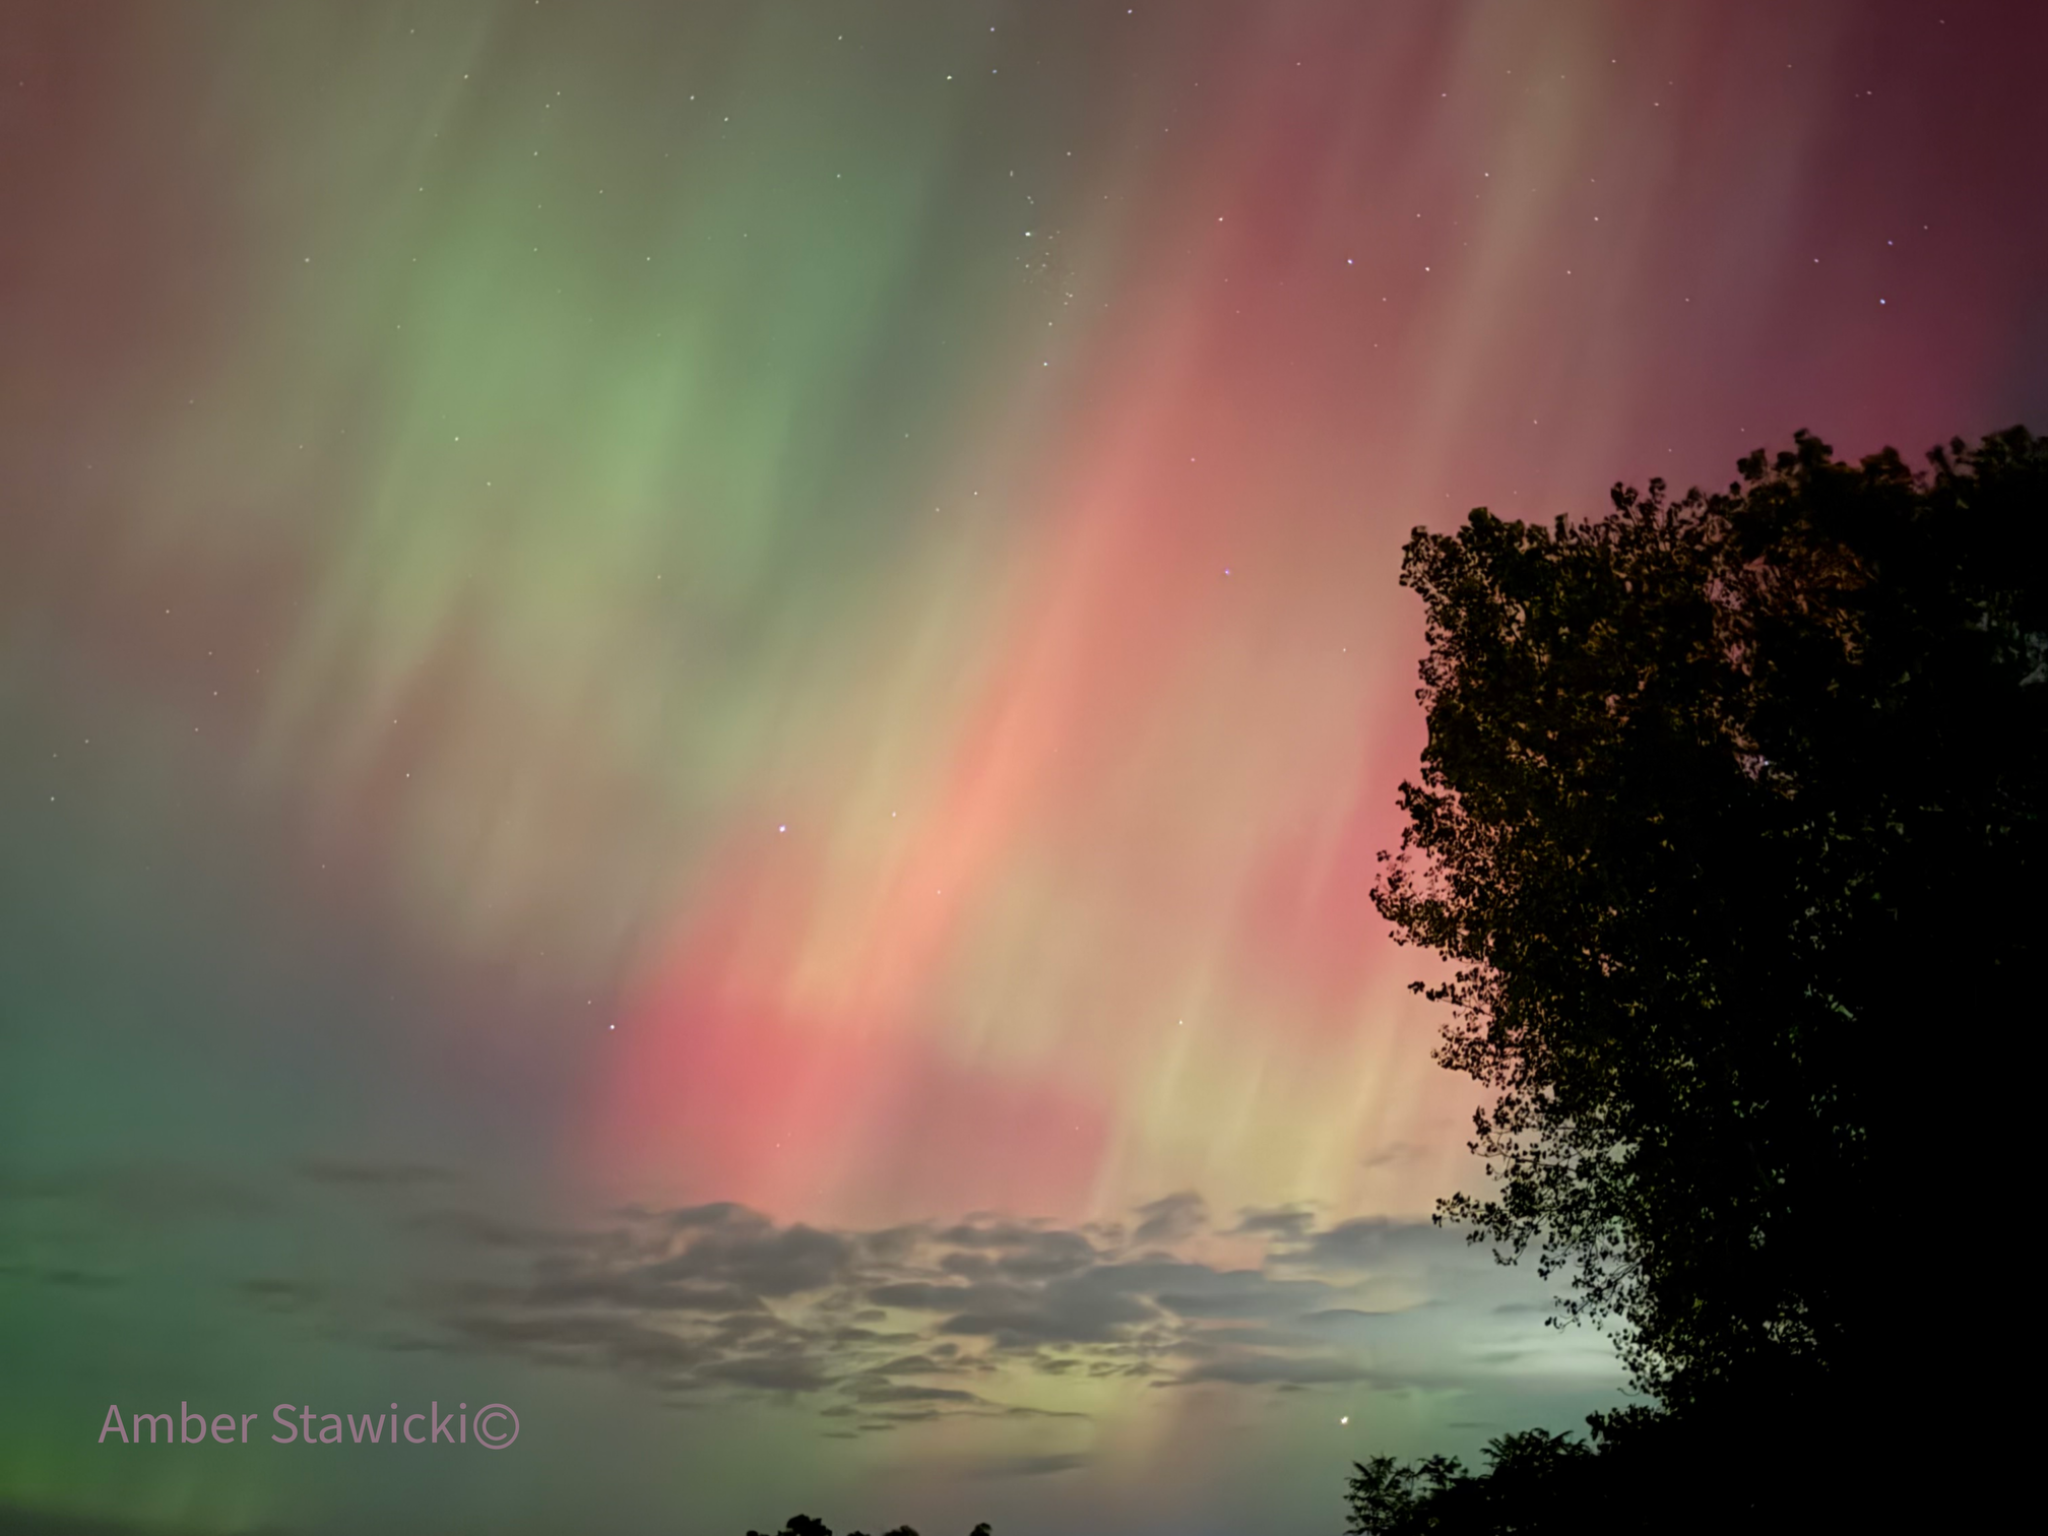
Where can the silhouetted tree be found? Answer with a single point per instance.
(804, 1525)
(1730, 824)
(1384, 1494)
(1529, 1485)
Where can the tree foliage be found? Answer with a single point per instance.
(1529, 1485)
(1730, 828)
(1729, 823)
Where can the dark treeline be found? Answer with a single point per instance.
(1730, 825)
(806, 1525)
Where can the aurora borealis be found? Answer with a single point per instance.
(696, 704)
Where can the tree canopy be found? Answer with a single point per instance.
(1729, 825)
(1529, 1477)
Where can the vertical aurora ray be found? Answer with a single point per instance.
(797, 606)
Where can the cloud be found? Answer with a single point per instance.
(1361, 1243)
(718, 1297)
(144, 1193)
(483, 1231)
(645, 1290)
(916, 1365)
(1251, 1370)
(1012, 1252)
(1172, 1219)
(1289, 1222)
(1026, 1466)
(710, 1302)
(276, 1295)
(921, 1321)
(753, 1256)
(884, 1392)
(1393, 1155)
(64, 1276)
(788, 1373)
(721, 1297)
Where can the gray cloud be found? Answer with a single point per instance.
(1250, 1370)
(65, 1276)
(749, 1253)
(146, 1193)
(719, 1297)
(1014, 1252)
(884, 1327)
(1172, 1219)
(1366, 1241)
(884, 1392)
(481, 1231)
(773, 1373)
(1026, 1466)
(915, 1322)
(281, 1295)
(1289, 1222)
(1393, 1155)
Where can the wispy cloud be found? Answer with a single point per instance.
(908, 1323)
(874, 1328)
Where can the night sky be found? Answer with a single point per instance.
(696, 704)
